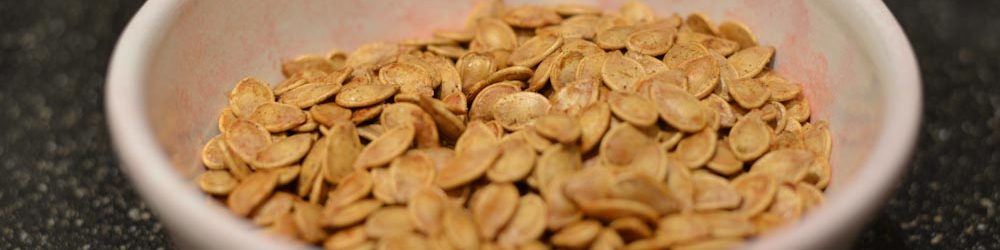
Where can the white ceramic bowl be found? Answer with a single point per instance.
(177, 58)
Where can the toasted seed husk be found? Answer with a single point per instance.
(697, 149)
(217, 182)
(350, 214)
(251, 191)
(712, 192)
(577, 235)
(382, 150)
(750, 137)
(679, 108)
(245, 139)
(527, 224)
(283, 152)
(757, 191)
(492, 207)
(620, 72)
(575, 96)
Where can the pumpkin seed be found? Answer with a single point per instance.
(563, 70)
(577, 235)
(348, 238)
(531, 16)
(541, 77)
(722, 46)
(493, 34)
(615, 37)
(461, 229)
(350, 214)
(727, 118)
(382, 150)
(719, 243)
(575, 96)
(516, 110)
(636, 12)
(279, 204)
(312, 93)
(483, 105)
(702, 74)
(810, 196)
(384, 186)
(611, 209)
(448, 124)
(561, 210)
(492, 206)
(683, 227)
(787, 204)
(284, 226)
(213, 155)
(683, 52)
(620, 72)
(407, 114)
(306, 62)
(630, 228)
(515, 162)
(352, 188)
(641, 187)
(607, 239)
(343, 148)
(403, 241)
(632, 108)
(362, 115)
(712, 192)
(306, 217)
(697, 149)
(784, 164)
(457, 36)
(426, 209)
(466, 167)
(724, 161)
(738, 32)
(555, 161)
(248, 94)
(757, 191)
(536, 49)
(409, 173)
(329, 114)
(284, 152)
(679, 108)
(751, 60)
(388, 222)
(699, 22)
(558, 127)
(474, 67)
(217, 182)
(312, 165)
(245, 139)
(363, 95)
(372, 56)
(750, 137)
(652, 42)
(251, 191)
(527, 224)
(817, 139)
(781, 90)
(581, 46)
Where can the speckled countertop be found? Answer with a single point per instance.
(60, 186)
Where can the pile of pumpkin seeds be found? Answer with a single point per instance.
(535, 127)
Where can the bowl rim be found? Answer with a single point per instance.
(186, 214)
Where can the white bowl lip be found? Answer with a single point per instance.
(187, 215)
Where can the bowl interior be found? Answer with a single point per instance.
(204, 53)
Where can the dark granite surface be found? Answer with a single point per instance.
(60, 186)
